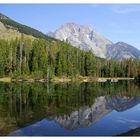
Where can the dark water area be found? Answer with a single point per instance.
(69, 109)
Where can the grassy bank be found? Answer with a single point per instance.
(66, 79)
(6, 79)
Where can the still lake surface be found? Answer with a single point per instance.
(70, 109)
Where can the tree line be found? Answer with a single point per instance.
(41, 58)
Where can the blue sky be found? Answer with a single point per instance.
(118, 22)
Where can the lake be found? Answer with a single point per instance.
(69, 109)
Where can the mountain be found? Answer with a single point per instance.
(87, 38)
(103, 105)
(121, 50)
(11, 29)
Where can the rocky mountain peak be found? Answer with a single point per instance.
(84, 36)
(89, 39)
(77, 27)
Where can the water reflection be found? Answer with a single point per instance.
(69, 106)
(87, 116)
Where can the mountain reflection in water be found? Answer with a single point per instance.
(87, 116)
(98, 109)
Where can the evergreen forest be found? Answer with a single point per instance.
(40, 58)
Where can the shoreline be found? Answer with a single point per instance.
(66, 79)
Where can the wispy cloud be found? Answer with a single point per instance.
(94, 5)
(126, 9)
(125, 120)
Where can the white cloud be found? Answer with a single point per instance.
(94, 5)
(125, 120)
(126, 9)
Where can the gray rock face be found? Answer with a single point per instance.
(122, 103)
(122, 51)
(87, 38)
(87, 116)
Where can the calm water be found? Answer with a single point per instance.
(74, 109)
